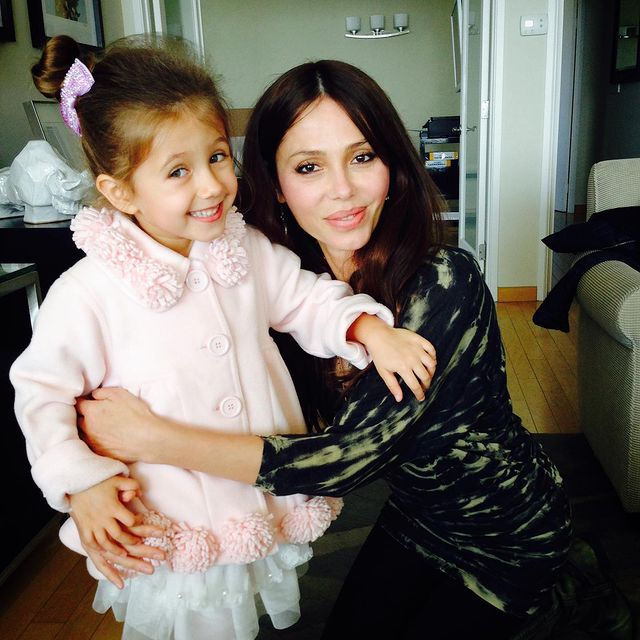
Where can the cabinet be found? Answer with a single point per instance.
(51, 248)
(439, 150)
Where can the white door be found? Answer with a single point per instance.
(474, 121)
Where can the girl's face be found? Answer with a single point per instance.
(332, 181)
(186, 185)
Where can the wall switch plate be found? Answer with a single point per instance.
(533, 25)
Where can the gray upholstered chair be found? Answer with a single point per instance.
(609, 343)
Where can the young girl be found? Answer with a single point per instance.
(174, 302)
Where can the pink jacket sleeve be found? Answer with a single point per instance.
(316, 310)
(56, 367)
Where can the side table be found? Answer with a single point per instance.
(24, 275)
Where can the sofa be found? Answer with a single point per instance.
(608, 344)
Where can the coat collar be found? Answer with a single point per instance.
(153, 273)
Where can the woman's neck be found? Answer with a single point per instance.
(342, 263)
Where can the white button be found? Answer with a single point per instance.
(197, 280)
(230, 407)
(219, 344)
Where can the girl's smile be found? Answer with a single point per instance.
(208, 215)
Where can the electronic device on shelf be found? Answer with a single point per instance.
(442, 163)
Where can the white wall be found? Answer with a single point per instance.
(521, 152)
(251, 43)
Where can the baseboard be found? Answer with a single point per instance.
(517, 294)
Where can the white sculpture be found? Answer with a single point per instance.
(41, 182)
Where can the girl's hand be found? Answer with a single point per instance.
(397, 351)
(109, 532)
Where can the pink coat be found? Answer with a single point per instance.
(189, 336)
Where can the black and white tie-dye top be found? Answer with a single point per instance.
(471, 491)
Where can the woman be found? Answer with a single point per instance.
(477, 524)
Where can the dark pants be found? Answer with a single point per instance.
(394, 594)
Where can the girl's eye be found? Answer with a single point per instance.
(217, 157)
(361, 158)
(307, 167)
(178, 173)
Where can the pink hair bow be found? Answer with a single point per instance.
(76, 83)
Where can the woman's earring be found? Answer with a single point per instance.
(283, 219)
(386, 199)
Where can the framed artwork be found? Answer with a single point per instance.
(456, 42)
(80, 19)
(7, 31)
(46, 123)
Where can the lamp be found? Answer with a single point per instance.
(376, 22)
(400, 21)
(353, 24)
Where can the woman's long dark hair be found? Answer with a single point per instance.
(408, 228)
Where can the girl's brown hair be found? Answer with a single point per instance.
(140, 83)
(409, 227)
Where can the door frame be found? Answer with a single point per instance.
(551, 126)
(147, 16)
(490, 135)
(494, 143)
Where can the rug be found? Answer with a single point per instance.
(596, 513)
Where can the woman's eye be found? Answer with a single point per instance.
(361, 158)
(217, 157)
(178, 173)
(307, 167)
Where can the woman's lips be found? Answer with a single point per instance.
(348, 219)
(208, 215)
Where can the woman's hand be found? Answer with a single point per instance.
(119, 425)
(110, 533)
(116, 424)
(397, 351)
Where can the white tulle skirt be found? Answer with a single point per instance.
(223, 603)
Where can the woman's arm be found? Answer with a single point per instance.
(117, 424)
(448, 301)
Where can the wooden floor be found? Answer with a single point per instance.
(49, 596)
(541, 369)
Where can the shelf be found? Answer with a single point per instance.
(439, 140)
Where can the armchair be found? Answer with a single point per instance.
(609, 343)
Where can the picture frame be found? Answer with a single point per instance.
(7, 30)
(47, 124)
(80, 19)
(456, 42)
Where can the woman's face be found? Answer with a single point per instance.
(332, 181)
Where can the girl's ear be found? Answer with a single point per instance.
(117, 193)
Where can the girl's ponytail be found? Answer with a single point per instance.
(57, 56)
